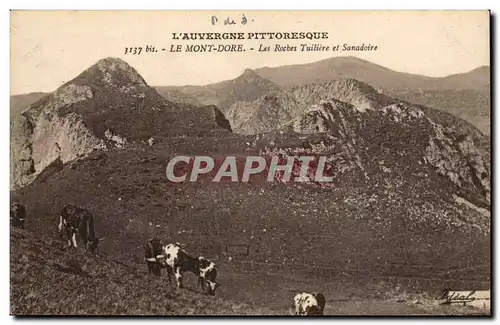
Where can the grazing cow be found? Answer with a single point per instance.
(309, 304)
(17, 214)
(74, 220)
(208, 273)
(179, 262)
(153, 252)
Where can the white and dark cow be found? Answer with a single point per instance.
(17, 214)
(155, 259)
(75, 220)
(309, 304)
(208, 274)
(179, 261)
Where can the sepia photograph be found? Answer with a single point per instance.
(250, 163)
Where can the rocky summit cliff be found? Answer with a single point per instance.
(275, 108)
(370, 137)
(108, 105)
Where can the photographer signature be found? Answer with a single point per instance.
(456, 297)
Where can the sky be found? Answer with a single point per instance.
(49, 48)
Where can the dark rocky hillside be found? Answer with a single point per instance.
(108, 105)
(358, 124)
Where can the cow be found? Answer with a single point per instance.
(17, 214)
(208, 273)
(155, 259)
(75, 220)
(179, 262)
(309, 304)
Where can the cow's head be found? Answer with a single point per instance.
(93, 244)
(213, 286)
(313, 311)
(161, 260)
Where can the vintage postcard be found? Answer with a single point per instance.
(244, 163)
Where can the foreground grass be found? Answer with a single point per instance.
(47, 279)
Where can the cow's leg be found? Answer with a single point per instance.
(150, 267)
(84, 236)
(73, 238)
(169, 272)
(201, 282)
(178, 277)
(88, 245)
(297, 309)
(68, 236)
(60, 225)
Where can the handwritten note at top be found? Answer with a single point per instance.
(229, 21)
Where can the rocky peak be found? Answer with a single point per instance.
(277, 108)
(249, 73)
(114, 69)
(111, 73)
(361, 95)
(250, 76)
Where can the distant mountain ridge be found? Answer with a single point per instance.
(225, 93)
(472, 87)
(465, 95)
(371, 73)
(472, 105)
(248, 86)
(20, 102)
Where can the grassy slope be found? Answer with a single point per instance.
(132, 200)
(48, 279)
